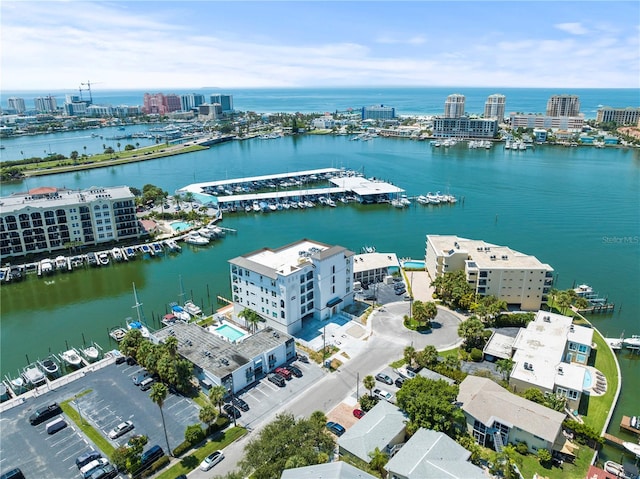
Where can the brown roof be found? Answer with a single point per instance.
(43, 190)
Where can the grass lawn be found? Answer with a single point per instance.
(599, 406)
(193, 460)
(86, 428)
(529, 465)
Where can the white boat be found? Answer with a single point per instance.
(157, 249)
(196, 239)
(273, 207)
(103, 258)
(117, 334)
(404, 200)
(132, 324)
(179, 312)
(632, 342)
(632, 447)
(116, 254)
(45, 267)
(192, 308)
(397, 203)
(247, 208)
(423, 200)
(331, 203)
(172, 245)
(309, 204)
(616, 469)
(33, 375)
(72, 358)
(255, 206)
(91, 353)
(49, 366)
(61, 263)
(206, 232)
(17, 384)
(130, 252)
(433, 198)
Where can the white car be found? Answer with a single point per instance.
(211, 460)
(120, 429)
(87, 469)
(382, 394)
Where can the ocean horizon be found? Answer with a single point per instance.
(406, 100)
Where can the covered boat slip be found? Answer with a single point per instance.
(346, 182)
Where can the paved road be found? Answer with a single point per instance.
(385, 344)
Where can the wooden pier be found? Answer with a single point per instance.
(615, 441)
(598, 308)
(626, 425)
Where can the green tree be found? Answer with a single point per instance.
(158, 394)
(216, 396)
(118, 144)
(427, 357)
(544, 456)
(431, 404)
(504, 367)
(251, 319)
(267, 454)
(171, 345)
(194, 434)
(472, 331)
(409, 355)
(369, 382)
(131, 342)
(378, 461)
(74, 156)
(208, 414)
(563, 300)
(129, 147)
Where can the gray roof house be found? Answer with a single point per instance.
(496, 417)
(432, 455)
(330, 470)
(382, 427)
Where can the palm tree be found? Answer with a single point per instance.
(369, 383)
(158, 394)
(85, 150)
(378, 460)
(171, 345)
(216, 396)
(409, 355)
(251, 318)
(118, 147)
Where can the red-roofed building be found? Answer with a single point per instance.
(597, 473)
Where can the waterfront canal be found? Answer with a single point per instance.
(574, 208)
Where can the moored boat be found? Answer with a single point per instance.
(196, 239)
(91, 353)
(61, 263)
(45, 267)
(157, 249)
(71, 358)
(117, 334)
(116, 253)
(130, 251)
(616, 469)
(132, 324)
(50, 367)
(172, 245)
(632, 447)
(103, 258)
(33, 375)
(179, 312)
(191, 308)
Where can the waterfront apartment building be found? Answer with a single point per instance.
(465, 127)
(16, 104)
(153, 104)
(225, 101)
(378, 112)
(285, 286)
(48, 219)
(454, 106)
(519, 279)
(530, 120)
(172, 102)
(210, 111)
(495, 106)
(46, 104)
(563, 105)
(619, 116)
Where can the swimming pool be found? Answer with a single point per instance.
(229, 332)
(413, 264)
(180, 226)
(588, 380)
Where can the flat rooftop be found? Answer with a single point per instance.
(50, 197)
(484, 255)
(371, 261)
(365, 187)
(289, 255)
(216, 355)
(499, 346)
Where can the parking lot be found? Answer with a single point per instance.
(382, 293)
(35, 452)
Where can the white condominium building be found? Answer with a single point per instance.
(494, 107)
(454, 106)
(519, 279)
(47, 219)
(563, 105)
(285, 286)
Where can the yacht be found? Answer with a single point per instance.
(191, 308)
(132, 324)
(45, 267)
(196, 239)
(433, 198)
(103, 258)
(256, 207)
(423, 200)
(116, 254)
(61, 263)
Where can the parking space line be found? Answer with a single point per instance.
(67, 447)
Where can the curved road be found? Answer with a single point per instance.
(385, 344)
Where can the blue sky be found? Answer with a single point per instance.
(145, 44)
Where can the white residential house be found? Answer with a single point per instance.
(496, 417)
(303, 280)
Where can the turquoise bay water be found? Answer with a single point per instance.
(574, 208)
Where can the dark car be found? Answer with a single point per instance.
(45, 412)
(370, 297)
(232, 411)
(399, 382)
(105, 472)
(336, 428)
(276, 379)
(84, 459)
(384, 378)
(295, 371)
(13, 474)
(400, 291)
(131, 361)
(240, 404)
(302, 358)
(120, 359)
(399, 286)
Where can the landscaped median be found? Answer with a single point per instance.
(98, 439)
(193, 460)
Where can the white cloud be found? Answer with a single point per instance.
(573, 28)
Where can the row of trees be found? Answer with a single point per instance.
(564, 299)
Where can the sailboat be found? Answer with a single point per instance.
(139, 324)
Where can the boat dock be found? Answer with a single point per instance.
(626, 424)
(613, 440)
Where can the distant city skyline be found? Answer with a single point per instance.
(169, 45)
